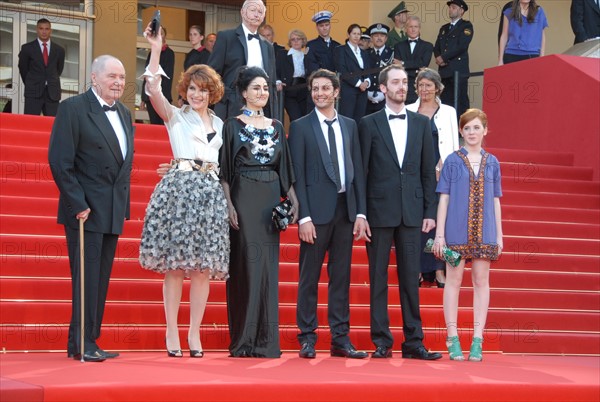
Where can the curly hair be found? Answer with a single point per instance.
(205, 77)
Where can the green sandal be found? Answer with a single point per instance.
(454, 350)
(475, 353)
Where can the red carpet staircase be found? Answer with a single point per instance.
(545, 289)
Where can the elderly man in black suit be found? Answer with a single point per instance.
(585, 19)
(399, 163)
(331, 192)
(414, 54)
(243, 46)
(451, 52)
(41, 63)
(90, 155)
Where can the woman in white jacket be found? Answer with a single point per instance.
(444, 128)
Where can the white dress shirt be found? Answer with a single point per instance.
(254, 51)
(399, 128)
(117, 125)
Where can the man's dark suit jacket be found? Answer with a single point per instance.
(315, 181)
(35, 74)
(453, 46)
(419, 58)
(585, 19)
(229, 54)
(398, 194)
(88, 166)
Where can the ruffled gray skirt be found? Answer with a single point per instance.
(186, 225)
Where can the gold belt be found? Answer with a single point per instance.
(188, 165)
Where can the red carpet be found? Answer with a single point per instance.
(545, 300)
(140, 376)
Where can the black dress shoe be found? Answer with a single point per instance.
(94, 356)
(420, 353)
(307, 351)
(108, 355)
(382, 352)
(348, 351)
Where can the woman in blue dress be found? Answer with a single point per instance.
(469, 222)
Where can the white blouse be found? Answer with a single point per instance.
(187, 134)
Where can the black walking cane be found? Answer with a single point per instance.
(82, 289)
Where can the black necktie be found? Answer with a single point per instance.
(397, 116)
(451, 27)
(253, 36)
(378, 51)
(112, 108)
(333, 153)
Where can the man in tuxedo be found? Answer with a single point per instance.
(331, 192)
(90, 156)
(381, 56)
(243, 46)
(451, 52)
(41, 63)
(585, 19)
(399, 163)
(413, 54)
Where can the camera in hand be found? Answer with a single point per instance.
(155, 25)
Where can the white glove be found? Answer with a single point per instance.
(375, 96)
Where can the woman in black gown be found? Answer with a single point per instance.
(256, 171)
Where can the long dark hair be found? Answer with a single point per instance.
(515, 13)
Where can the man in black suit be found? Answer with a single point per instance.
(41, 63)
(90, 155)
(413, 54)
(399, 163)
(585, 19)
(451, 52)
(239, 47)
(381, 56)
(331, 192)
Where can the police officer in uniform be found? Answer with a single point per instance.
(398, 33)
(451, 53)
(320, 50)
(381, 56)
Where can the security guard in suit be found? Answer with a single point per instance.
(451, 53)
(381, 56)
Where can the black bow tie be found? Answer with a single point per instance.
(253, 36)
(397, 116)
(107, 108)
(412, 40)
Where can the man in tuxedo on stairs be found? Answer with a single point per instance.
(413, 54)
(399, 163)
(90, 156)
(330, 186)
(243, 46)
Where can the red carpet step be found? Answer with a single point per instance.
(545, 294)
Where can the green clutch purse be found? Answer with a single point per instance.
(451, 257)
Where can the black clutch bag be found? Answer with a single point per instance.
(281, 214)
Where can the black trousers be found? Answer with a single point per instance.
(99, 255)
(336, 239)
(508, 58)
(407, 241)
(447, 95)
(43, 104)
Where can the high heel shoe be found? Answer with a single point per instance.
(454, 350)
(475, 355)
(195, 353)
(174, 352)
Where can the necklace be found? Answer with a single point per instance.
(252, 113)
